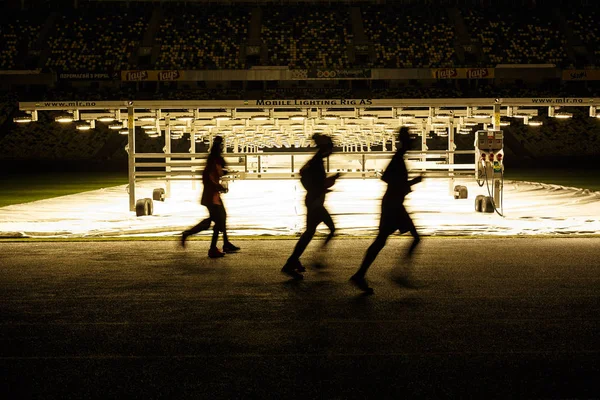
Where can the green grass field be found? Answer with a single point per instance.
(24, 188)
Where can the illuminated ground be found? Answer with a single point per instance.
(270, 207)
(492, 319)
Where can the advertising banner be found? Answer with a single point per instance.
(581, 75)
(150, 75)
(339, 74)
(462, 73)
(87, 76)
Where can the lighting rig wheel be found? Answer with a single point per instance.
(141, 208)
(487, 205)
(158, 194)
(461, 192)
(478, 202)
(150, 206)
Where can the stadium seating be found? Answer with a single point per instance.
(307, 36)
(202, 37)
(97, 39)
(18, 34)
(409, 37)
(516, 37)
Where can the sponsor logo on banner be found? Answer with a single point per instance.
(339, 73)
(463, 73)
(135, 75)
(478, 73)
(144, 75)
(168, 75)
(299, 74)
(581, 75)
(445, 73)
(85, 76)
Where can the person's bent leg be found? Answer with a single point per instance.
(215, 215)
(415, 242)
(373, 251)
(228, 247)
(201, 226)
(329, 222)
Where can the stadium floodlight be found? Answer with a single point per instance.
(259, 118)
(438, 124)
(174, 126)
(85, 126)
(367, 116)
(221, 117)
(116, 126)
(409, 124)
(64, 118)
(24, 117)
(106, 118)
(443, 115)
(563, 115)
(297, 118)
(185, 118)
(124, 131)
(534, 123)
(481, 115)
(148, 127)
(504, 123)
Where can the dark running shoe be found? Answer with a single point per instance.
(184, 237)
(361, 283)
(215, 253)
(295, 265)
(293, 269)
(230, 248)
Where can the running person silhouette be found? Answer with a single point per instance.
(393, 214)
(317, 184)
(211, 199)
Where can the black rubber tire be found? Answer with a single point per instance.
(478, 202)
(141, 208)
(158, 194)
(150, 206)
(461, 192)
(487, 205)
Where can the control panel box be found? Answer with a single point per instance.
(490, 140)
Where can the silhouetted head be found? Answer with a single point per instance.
(217, 145)
(324, 144)
(404, 138)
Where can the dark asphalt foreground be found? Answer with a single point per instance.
(493, 318)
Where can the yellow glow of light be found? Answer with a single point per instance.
(535, 123)
(64, 119)
(563, 115)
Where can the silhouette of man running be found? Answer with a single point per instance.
(393, 213)
(317, 184)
